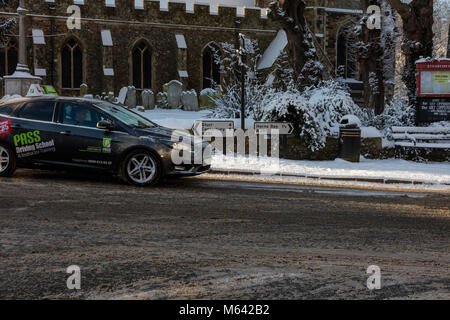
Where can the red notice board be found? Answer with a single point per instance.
(433, 78)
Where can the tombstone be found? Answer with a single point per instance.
(122, 96)
(148, 99)
(110, 97)
(207, 97)
(161, 100)
(189, 100)
(130, 100)
(174, 90)
(83, 89)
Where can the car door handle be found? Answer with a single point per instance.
(66, 133)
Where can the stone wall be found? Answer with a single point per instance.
(156, 25)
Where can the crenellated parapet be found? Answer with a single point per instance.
(176, 12)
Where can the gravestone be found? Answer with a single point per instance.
(161, 100)
(83, 89)
(207, 97)
(174, 90)
(148, 99)
(110, 97)
(130, 100)
(189, 100)
(122, 96)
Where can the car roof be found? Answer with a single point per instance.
(48, 98)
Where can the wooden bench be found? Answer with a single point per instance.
(422, 137)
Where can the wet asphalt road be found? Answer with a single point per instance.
(203, 238)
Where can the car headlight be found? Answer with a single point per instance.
(176, 145)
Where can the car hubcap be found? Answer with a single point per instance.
(141, 168)
(4, 159)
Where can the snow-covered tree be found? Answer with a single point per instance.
(398, 112)
(302, 53)
(417, 23)
(441, 27)
(5, 27)
(376, 54)
(314, 111)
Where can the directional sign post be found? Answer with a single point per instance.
(284, 128)
(204, 128)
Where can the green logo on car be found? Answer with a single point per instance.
(107, 142)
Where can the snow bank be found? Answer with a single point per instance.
(390, 169)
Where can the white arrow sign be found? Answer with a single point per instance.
(267, 127)
(206, 128)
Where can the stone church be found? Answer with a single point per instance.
(146, 43)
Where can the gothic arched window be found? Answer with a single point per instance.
(71, 65)
(211, 67)
(8, 57)
(345, 51)
(142, 65)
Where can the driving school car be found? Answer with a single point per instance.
(73, 133)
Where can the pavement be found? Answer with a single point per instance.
(213, 238)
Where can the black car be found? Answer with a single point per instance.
(83, 133)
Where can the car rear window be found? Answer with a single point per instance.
(39, 110)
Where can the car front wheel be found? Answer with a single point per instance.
(141, 168)
(8, 161)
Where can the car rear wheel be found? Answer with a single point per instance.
(8, 161)
(141, 168)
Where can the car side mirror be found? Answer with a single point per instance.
(105, 125)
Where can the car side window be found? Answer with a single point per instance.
(6, 109)
(38, 110)
(78, 115)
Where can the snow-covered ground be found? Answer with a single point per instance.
(180, 119)
(390, 170)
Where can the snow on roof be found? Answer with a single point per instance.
(432, 60)
(38, 36)
(106, 38)
(181, 42)
(183, 73)
(273, 51)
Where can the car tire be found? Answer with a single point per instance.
(140, 168)
(8, 161)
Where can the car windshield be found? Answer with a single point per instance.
(124, 115)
